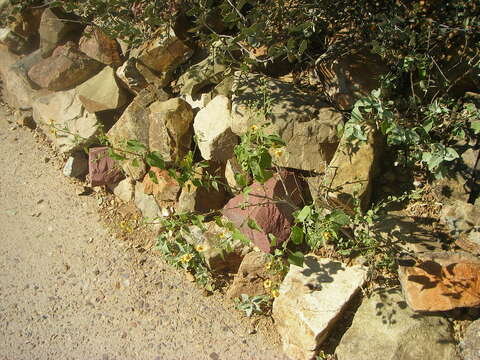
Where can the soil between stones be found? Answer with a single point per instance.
(68, 290)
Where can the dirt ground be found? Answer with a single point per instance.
(68, 290)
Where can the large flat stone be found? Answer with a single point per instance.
(311, 300)
(385, 328)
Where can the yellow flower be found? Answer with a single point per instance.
(268, 265)
(327, 235)
(186, 258)
(278, 152)
(275, 293)
(200, 248)
(254, 127)
(267, 284)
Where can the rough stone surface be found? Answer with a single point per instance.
(66, 68)
(170, 130)
(216, 140)
(463, 220)
(311, 299)
(440, 281)
(201, 199)
(163, 53)
(102, 92)
(210, 239)
(251, 275)
(102, 169)
(131, 78)
(124, 190)
(54, 30)
(385, 328)
(351, 77)
(167, 189)
(64, 120)
(201, 75)
(76, 165)
(146, 203)
(133, 125)
(308, 126)
(15, 42)
(16, 88)
(351, 172)
(271, 205)
(99, 46)
(233, 168)
(470, 345)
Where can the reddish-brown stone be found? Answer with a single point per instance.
(167, 188)
(66, 68)
(441, 281)
(103, 170)
(271, 206)
(99, 46)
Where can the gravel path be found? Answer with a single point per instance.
(70, 291)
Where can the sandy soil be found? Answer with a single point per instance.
(68, 290)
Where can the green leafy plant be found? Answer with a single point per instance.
(252, 305)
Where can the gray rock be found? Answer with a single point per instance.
(146, 204)
(124, 190)
(385, 328)
(470, 345)
(311, 300)
(76, 165)
(308, 126)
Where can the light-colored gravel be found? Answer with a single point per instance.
(70, 291)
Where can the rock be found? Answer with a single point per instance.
(440, 281)
(351, 77)
(17, 91)
(350, 174)
(102, 169)
(470, 345)
(233, 168)
(55, 29)
(131, 77)
(215, 138)
(124, 190)
(24, 64)
(163, 54)
(210, 239)
(167, 189)
(201, 199)
(463, 220)
(308, 126)
(133, 125)
(64, 120)
(251, 275)
(271, 206)
(102, 92)
(385, 328)
(15, 42)
(146, 203)
(76, 165)
(206, 73)
(311, 300)
(66, 68)
(99, 46)
(170, 131)
(25, 118)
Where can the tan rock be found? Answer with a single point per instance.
(65, 69)
(440, 281)
(308, 126)
(146, 204)
(65, 121)
(170, 130)
(132, 79)
(167, 189)
(124, 190)
(102, 92)
(311, 300)
(99, 46)
(54, 29)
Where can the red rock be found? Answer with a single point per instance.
(66, 68)
(441, 281)
(99, 46)
(271, 208)
(103, 170)
(167, 188)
